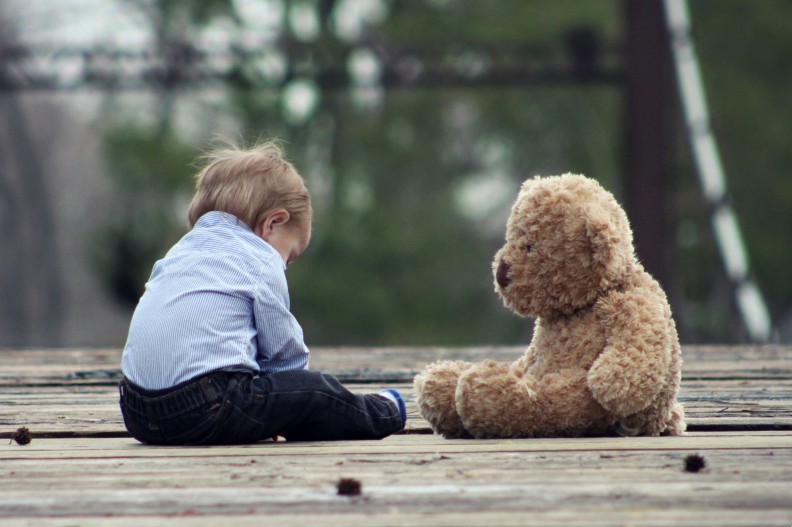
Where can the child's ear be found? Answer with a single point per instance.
(270, 221)
(279, 217)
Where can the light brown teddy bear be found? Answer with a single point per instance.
(605, 356)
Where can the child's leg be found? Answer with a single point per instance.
(224, 408)
(183, 415)
(304, 405)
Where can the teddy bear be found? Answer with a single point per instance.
(604, 358)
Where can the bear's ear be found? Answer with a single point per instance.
(602, 236)
(528, 184)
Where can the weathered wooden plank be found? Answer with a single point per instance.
(364, 517)
(63, 448)
(407, 355)
(585, 499)
(100, 366)
(406, 480)
(93, 410)
(770, 454)
(72, 392)
(729, 352)
(50, 356)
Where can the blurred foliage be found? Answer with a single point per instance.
(743, 49)
(412, 186)
(396, 248)
(152, 174)
(746, 49)
(440, 24)
(150, 164)
(394, 259)
(169, 16)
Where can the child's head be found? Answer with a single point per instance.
(250, 184)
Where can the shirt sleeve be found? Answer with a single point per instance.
(280, 338)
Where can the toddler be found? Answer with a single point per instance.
(214, 356)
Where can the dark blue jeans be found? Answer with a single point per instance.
(234, 408)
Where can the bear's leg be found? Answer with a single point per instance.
(663, 417)
(499, 400)
(489, 397)
(435, 388)
(676, 424)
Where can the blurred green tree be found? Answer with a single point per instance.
(412, 180)
(413, 186)
(745, 50)
(152, 175)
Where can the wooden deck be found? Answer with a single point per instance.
(81, 468)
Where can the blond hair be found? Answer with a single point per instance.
(249, 183)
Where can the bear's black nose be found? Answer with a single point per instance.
(502, 275)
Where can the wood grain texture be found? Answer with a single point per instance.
(434, 481)
(63, 411)
(81, 469)
(92, 410)
(377, 365)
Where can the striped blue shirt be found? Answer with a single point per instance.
(217, 301)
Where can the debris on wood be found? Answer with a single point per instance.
(349, 487)
(21, 436)
(695, 463)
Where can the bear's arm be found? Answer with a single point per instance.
(629, 372)
(526, 360)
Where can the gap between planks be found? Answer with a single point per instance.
(399, 444)
(677, 516)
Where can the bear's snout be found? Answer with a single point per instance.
(502, 275)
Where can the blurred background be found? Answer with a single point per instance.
(413, 122)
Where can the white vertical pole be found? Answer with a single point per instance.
(749, 299)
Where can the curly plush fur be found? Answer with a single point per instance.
(605, 356)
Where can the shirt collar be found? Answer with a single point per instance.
(216, 217)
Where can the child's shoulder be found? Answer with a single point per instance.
(227, 242)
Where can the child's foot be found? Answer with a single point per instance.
(396, 398)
